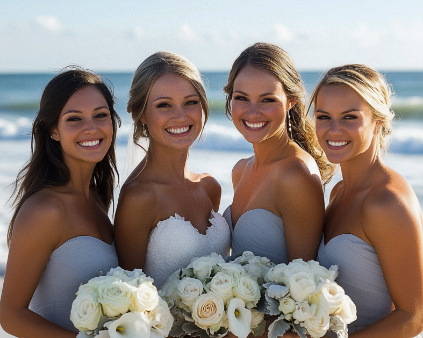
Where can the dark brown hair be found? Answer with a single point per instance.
(46, 167)
(277, 61)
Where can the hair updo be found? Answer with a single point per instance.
(371, 86)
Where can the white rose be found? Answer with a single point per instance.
(318, 325)
(256, 318)
(295, 267)
(117, 272)
(222, 285)
(170, 289)
(114, 297)
(303, 311)
(85, 312)
(301, 285)
(286, 305)
(248, 290)
(161, 320)
(202, 266)
(144, 298)
(232, 269)
(347, 311)
(94, 283)
(276, 274)
(189, 289)
(321, 272)
(208, 311)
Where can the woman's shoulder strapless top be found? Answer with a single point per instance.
(73, 263)
(259, 231)
(360, 275)
(174, 242)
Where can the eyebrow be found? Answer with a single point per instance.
(79, 112)
(344, 112)
(169, 98)
(241, 92)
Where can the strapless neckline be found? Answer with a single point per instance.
(341, 236)
(249, 211)
(76, 238)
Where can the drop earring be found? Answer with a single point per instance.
(289, 123)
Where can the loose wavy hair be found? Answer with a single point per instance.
(46, 167)
(274, 59)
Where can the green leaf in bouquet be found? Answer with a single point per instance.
(262, 304)
(301, 331)
(194, 331)
(278, 327)
(277, 291)
(260, 329)
(186, 273)
(272, 306)
(178, 322)
(208, 280)
(222, 332)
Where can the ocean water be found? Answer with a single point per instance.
(222, 147)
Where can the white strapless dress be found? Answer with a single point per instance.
(174, 242)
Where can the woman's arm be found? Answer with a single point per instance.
(301, 203)
(135, 217)
(392, 222)
(36, 233)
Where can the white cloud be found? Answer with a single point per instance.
(366, 37)
(186, 33)
(283, 34)
(139, 32)
(49, 23)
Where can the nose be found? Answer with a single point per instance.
(335, 127)
(178, 114)
(253, 110)
(90, 126)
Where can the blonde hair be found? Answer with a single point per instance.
(277, 61)
(146, 75)
(371, 86)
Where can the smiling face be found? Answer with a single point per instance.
(84, 128)
(259, 104)
(344, 124)
(173, 113)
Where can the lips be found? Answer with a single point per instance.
(92, 143)
(337, 144)
(178, 130)
(254, 125)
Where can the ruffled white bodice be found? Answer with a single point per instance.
(174, 242)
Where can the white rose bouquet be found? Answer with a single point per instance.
(307, 300)
(121, 304)
(213, 296)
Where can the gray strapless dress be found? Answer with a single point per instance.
(259, 231)
(360, 275)
(70, 265)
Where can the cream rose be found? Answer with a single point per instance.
(114, 297)
(202, 266)
(248, 290)
(189, 289)
(303, 311)
(301, 285)
(286, 305)
(222, 285)
(161, 320)
(347, 311)
(318, 325)
(85, 312)
(208, 311)
(276, 274)
(144, 298)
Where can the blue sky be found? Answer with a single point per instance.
(107, 35)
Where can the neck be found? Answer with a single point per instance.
(271, 149)
(80, 177)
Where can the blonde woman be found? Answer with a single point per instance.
(373, 223)
(166, 213)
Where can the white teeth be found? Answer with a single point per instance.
(337, 144)
(177, 130)
(255, 125)
(89, 143)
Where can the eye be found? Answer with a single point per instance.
(192, 102)
(102, 115)
(240, 98)
(350, 117)
(73, 118)
(268, 99)
(322, 117)
(163, 105)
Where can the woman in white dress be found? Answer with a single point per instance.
(373, 224)
(166, 214)
(60, 235)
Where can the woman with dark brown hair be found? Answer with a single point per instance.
(60, 235)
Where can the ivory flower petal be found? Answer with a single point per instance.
(130, 325)
(239, 318)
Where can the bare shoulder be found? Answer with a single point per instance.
(43, 213)
(391, 208)
(239, 169)
(211, 187)
(137, 195)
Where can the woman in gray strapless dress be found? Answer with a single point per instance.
(373, 224)
(278, 206)
(60, 235)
